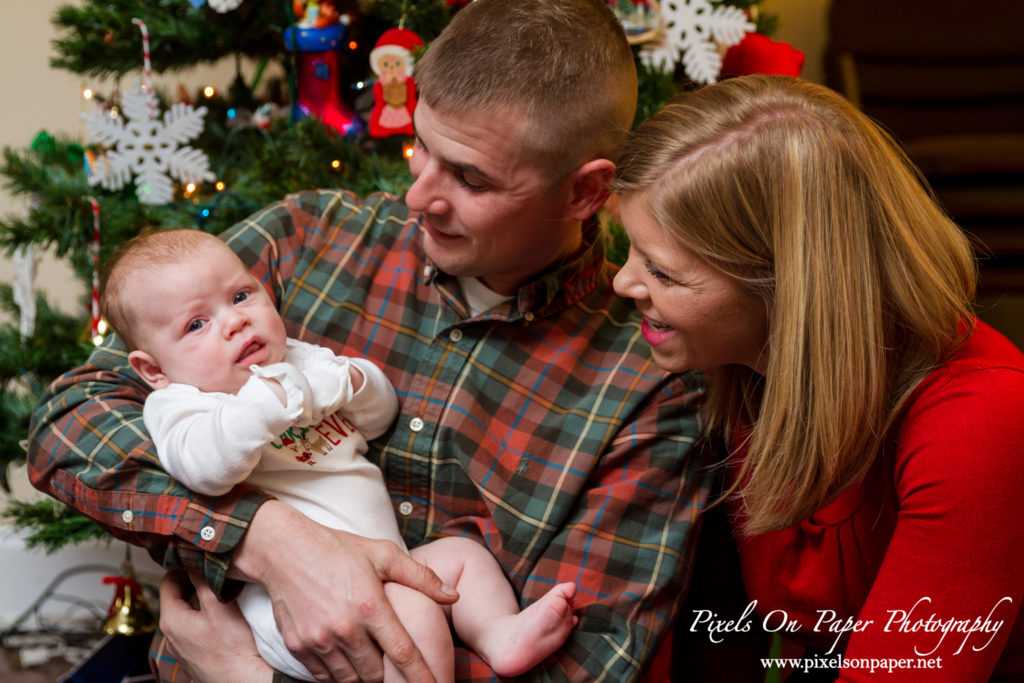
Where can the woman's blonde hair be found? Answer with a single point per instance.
(785, 186)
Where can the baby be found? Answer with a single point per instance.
(236, 400)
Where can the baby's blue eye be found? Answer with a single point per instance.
(241, 296)
(195, 325)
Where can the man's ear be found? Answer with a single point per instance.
(148, 369)
(589, 188)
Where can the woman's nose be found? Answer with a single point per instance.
(626, 284)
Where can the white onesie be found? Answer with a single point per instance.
(308, 453)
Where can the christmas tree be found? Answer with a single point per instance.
(153, 160)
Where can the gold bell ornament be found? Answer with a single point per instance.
(129, 615)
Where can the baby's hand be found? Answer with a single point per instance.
(356, 377)
(276, 388)
(284, 380)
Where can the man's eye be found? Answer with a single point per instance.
(241, 296)
(470, 186)
(195, 325)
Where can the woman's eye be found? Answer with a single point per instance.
(241, 296)
(655, 273)
(195, 325)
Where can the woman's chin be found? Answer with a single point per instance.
(670, 362)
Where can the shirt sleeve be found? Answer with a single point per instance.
(628, 546)
(371, 408)
(210, 442)
(957, 550)
(374, 407)
(90, 449)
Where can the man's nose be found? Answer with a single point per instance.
(425, 195)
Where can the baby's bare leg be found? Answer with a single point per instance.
(426, 623)
(487, 616)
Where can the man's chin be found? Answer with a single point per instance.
(446, 256)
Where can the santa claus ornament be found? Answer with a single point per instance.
(394, 93)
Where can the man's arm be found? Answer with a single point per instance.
(629, 545)
(89, 448)
(211, 442)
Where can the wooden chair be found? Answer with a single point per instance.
(947, 80)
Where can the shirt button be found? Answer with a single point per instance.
(455, 335)
(207, 533)
(405, 508)
(427, 272)
(528, 316)
(127, 516)
(416, 424)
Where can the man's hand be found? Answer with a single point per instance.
(213, 643)
(327, 590)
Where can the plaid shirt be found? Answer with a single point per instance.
(540, 428)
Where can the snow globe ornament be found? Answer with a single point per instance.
(394, 93)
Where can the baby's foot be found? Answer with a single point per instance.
(519, 642)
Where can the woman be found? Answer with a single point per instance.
(780, 240)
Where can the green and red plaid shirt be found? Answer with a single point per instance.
(541, 428)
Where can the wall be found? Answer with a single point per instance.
(804, 25)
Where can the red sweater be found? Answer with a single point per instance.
(935, 531)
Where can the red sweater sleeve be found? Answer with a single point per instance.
(957, 550)
(927, 547)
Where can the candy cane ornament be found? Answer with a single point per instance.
(94, 331)
(147, 67)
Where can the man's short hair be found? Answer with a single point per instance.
(564, 65)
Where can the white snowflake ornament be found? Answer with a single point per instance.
(224, 6)
(152, 149)
(695, 31)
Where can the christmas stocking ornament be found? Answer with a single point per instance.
(319, 65)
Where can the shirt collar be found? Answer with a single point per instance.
(552, 291)
(561, 287)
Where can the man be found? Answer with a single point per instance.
(532, 418)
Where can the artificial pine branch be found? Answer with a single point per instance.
(15, 411)
(27, 365)
(426, 18)
(51, 525)
(100, 39)
(58, 343)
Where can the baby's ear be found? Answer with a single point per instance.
(148, 369)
